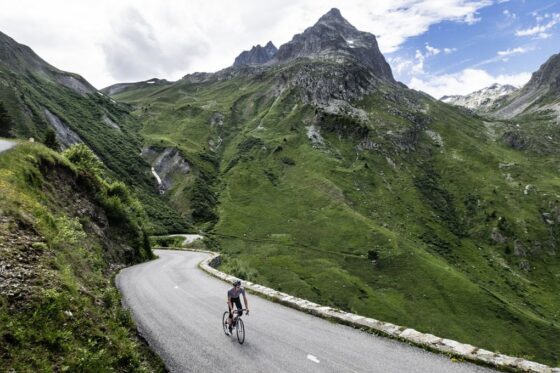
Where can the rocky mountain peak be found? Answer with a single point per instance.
(334, 38)
(257, 55)
(333, 16)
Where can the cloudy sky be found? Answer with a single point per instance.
(439, 46)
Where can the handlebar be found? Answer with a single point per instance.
(241, 310)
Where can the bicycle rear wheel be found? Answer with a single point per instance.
(224, 322)
(240, 328)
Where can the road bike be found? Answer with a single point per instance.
(237, 324)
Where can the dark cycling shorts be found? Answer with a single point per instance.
(237, 302)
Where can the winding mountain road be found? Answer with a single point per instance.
(178, 309)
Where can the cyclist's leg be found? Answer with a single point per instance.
(231, 314)
(237, 302)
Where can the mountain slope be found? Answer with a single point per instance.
(20, 58)
(327, 179)
(541, 93)
(37, 96)
(530, 116)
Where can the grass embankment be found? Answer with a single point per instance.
(464, 228)
(64, 232)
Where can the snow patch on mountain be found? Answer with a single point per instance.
(481, 100)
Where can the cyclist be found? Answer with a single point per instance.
(233, 296)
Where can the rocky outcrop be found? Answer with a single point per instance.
(64, 134)
(21, 252)
(108, 121)
(75, 83)
(333, 38)
(167, 163)
(257, 55)
(547, 76)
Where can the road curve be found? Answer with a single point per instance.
(178, 309)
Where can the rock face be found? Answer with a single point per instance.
(64, 134)
(482, 100)
(257, 55)
(334, 38)
(166, 163)
(547, 76)
(544, 83)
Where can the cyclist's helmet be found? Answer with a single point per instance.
(237, 283)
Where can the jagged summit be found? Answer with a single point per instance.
(333, 15)
(334, 38)
(331, 38)
(257, 55)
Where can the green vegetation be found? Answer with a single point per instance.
(463, 228)
(103, 125)
(51, 141)
(6, 122)
(166, 241)
(64, 232)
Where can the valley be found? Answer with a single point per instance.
(308, 182)
(314, 172)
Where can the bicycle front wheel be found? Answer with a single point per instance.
(224, 322)
(240, 331)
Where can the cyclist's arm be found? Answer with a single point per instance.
(230, 306)
(246, 301)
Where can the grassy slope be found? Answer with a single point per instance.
(63, 235)
(302, 218)
(26, 96)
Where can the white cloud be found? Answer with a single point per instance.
(404, 68)
(509, 52)
(418, 67)
(509, 15)
(471, 19)
(539, 31)
(99, 38)
(400, 65)
(431, 51)
(464, 82)
(543, 35)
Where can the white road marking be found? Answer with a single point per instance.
(313, 359)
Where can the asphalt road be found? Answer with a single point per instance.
(5, 145)
(178, 308)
